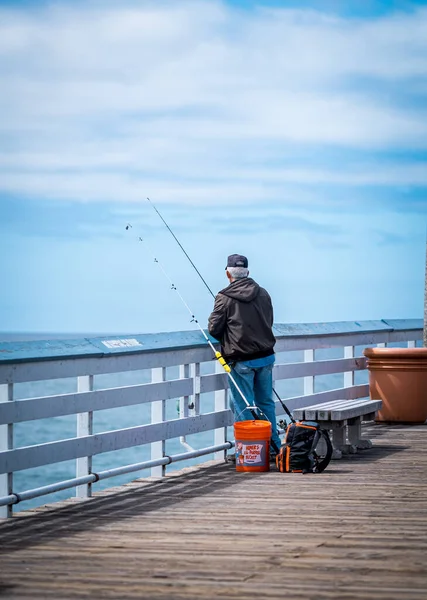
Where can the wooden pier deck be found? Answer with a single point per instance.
(357, 531)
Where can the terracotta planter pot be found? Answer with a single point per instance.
(398, 377)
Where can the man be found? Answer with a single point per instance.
(242, 321)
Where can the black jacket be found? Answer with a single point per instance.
(242, 321)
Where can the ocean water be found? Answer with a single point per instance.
(60, 428)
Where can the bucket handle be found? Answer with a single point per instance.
(251, 408)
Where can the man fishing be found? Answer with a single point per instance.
(242, 321)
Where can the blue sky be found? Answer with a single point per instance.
(293, 132)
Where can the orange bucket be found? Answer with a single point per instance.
(252, 445)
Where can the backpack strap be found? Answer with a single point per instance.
(321, 464)
(285, 408)
(312, 457)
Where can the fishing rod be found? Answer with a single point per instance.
(211, 293)
(182, 248)
(217, 354)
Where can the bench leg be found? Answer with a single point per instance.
(355, 435)
(339, 443)
(321, 446)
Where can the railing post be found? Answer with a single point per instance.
(6, 443)
(184, 408)
(184, 373)
(158, 415)
(195, 368)
(309, 379)
(84, 427)
(411, 344)
(220, 435)
(354, 428)
(348, 375)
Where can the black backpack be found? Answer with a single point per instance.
(298, 453)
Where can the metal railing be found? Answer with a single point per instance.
(85, 359)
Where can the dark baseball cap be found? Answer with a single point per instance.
(237, 260)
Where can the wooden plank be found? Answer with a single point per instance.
(70, 404)
(304, 402)
(325, 413)
(74, 367)
(333, 341)
(67, 404)
(337, 403)
(299, 414)
(310, 412)
(214, 383)
(356, 532)
(318, 367)
(356, 410)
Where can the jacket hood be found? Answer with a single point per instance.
(244, 290)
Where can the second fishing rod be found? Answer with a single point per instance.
(253, 409)
(285, 408)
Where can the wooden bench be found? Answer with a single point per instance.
(344, 418)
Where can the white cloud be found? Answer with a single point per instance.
(172, 98)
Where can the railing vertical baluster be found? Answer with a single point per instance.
(220, 435)
(6, 443)
(184, 373)
(184, 410)
(84, 427)
(348, 375)
(309, 379)
(354, 427)
(158, 415)
(195, 367)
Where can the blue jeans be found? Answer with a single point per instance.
(256, 384)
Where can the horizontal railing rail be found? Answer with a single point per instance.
(15, 498)
(89, 445)
(28, 362)
(70, 404)
(319, 367)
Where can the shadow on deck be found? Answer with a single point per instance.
(359, 530)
